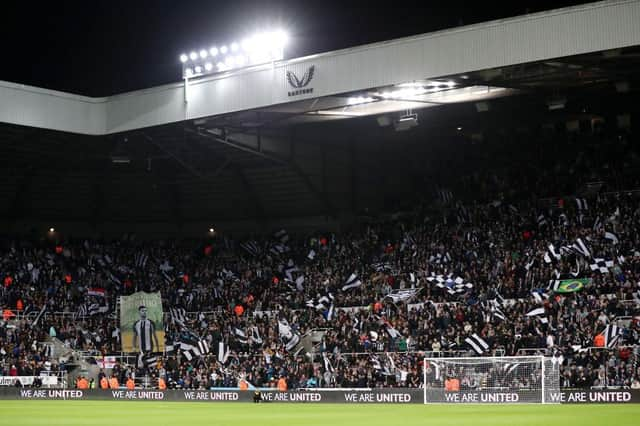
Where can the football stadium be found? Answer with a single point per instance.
(438, 228)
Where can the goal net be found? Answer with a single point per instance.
(530, 379)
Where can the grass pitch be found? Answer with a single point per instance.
(137, 413)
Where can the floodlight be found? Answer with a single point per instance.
(52, 230)
(193, 56)
(213, 51)
(280, 38)
(247, 44)
(208, 66)
(188, 72)
(223, 49)
(241, 60)
(220, 66)
(203, 53)
(451, 84)
(184, 58)
(228, 61)
(211, 230)
(198, 69)
(234, 47)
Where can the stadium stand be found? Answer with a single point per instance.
(525, 250)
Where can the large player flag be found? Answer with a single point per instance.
(141, 325)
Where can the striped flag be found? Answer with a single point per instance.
(581, 203)
(611, 236)
(178, 316)
(146, 360)
(251, 247)
(352, 282)
(479, 345)
(611, 335)
(140, 260)
(203, 346)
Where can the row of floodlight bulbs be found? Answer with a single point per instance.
(261, 48)
(403, 92)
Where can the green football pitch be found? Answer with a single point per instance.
(246, 414)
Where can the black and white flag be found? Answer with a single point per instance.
(327, 363)
(141, 260)
(352, 282)
(288, 336)
(611, 236)
(611, 335)
(178, 316)
(203, 346)
(541, 220)
(551, 255)
(403, 295)
(581, 203)
(479, 345)
(251, 247)
(445, 195)
(601, 265)
(240, 336)
(451, 285)
(580, 247)
(323, 303)
(146, 360)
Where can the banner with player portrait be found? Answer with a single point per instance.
(141, 326)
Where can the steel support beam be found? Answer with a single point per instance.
(320, 196)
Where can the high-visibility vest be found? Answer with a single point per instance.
(113, 383)
(282, 384)
(104, 383)
(130, 384)
(244, 385)
(83, 384)
(598, 341)
(161, 384)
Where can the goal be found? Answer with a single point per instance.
(525, 379)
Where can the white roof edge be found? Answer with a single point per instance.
(362, 47)
(51, 92)
(436, 54)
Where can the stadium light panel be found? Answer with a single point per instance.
(211, 230)
(261, 48)
(52, 230)
(188, 72)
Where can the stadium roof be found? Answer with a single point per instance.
(257, 157)
(436, 58)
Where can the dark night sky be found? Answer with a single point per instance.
(99, 47)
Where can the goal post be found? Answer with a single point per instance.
(493, 380)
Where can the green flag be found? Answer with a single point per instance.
(570, 286)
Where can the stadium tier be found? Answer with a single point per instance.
(499, 275)
(452, 217)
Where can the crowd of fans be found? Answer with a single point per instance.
(241, 292)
